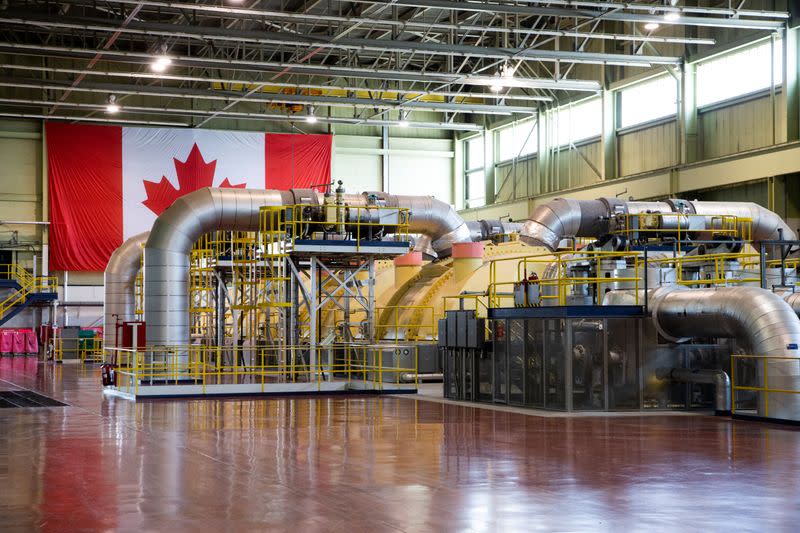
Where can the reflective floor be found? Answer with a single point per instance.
(376, 464)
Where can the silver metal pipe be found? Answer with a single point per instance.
(766, 225)
(793, 299)
(561, 218)
(716, 377)
(434, 219)
(757, 317)
(119, 279)
(166, 266)
(483, 230)
(558, 219)
(166, 261)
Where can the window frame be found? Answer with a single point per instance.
(745, 96)
(533, 137)
(558, 145)
(651, 122)
(467, 171)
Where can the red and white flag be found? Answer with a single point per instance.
(107, 183)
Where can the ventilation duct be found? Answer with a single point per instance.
(562, 218)
(119, 303)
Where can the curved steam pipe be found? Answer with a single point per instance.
(760, 318)
(793, 299)
(119, 278)
(561, 218)
(166, 268)
(166, 260)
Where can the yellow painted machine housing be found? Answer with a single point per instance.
(410, 310)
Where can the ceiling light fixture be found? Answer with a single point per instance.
(112, 106)
(311, 118)
(650, 26)
(161, 63)
(672, 16)
(403, 119)
(503, 78)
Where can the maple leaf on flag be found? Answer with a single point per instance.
(193, 174)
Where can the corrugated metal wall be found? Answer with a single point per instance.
(722, 130)
(739, 127)
(647, 149)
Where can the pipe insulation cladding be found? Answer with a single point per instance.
(166, 264)
(119, 304)
(563, 218)
(760, 319)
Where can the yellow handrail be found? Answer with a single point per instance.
(28, 285)
(216, 365)
(764, 388)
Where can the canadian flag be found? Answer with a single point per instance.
(107, 183)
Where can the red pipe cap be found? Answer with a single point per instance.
(409, 259)
(468, 250)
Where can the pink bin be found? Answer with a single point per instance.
(18, 341)
(31, 342)
(6, 341)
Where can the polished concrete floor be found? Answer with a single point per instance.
(376, 464)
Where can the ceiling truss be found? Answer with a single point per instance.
(438, 64)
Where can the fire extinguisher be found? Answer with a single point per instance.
(108, 375)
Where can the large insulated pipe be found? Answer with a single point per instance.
(718, 378)
(119, 304)
(759, 318)
(437, 221)
(562, 218)
(166, 270)
(166, 261)
(483, 230)
(793, 299)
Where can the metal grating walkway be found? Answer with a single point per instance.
(26, 398)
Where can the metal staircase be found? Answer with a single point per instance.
(25, 290)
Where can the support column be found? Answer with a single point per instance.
(609, 166)
(385, 158)
(542, 154)
(459, 194)
(790, 104)
(488, 165)
(687, 116)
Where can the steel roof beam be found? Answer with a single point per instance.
(258, 15)
(268, 98)
(348, 43)
(298, 86)
(272, 117)
(601, 9)
(309, 69)
(619, 16)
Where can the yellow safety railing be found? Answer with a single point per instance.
(713, 269)
(363, 222)
(683, 226)
(462, 303)
(479, 304)
(28, 283)
(752, 374)
(557, 285)
(393, 324)
(86, 350)
(375, 365)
